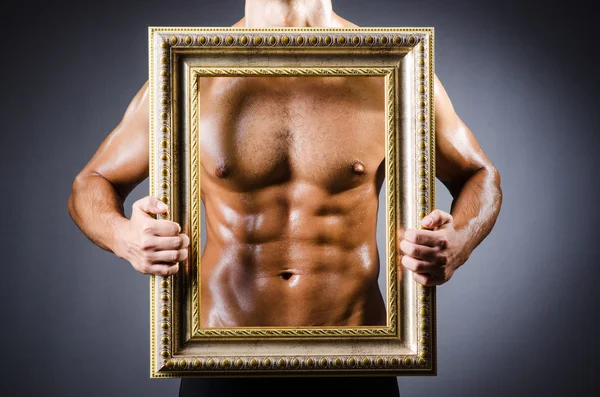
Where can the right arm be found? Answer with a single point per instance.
(152, 246)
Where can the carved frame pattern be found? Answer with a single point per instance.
(169, 336)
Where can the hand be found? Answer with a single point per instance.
(152, 246)
(433, 255)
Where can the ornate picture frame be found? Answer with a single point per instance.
(178, 57)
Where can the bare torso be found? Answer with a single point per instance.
(291, 172)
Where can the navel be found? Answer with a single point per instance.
(286, 275)
(291, 278)
(358, 167)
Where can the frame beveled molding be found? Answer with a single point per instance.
(169, 356)
(368, 331)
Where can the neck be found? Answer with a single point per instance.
(288, 13)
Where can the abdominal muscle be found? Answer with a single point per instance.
(290, 255)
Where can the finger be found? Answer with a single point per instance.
(416, 265)
(436, 218)
(424, 279)
(185, 240)
(168, 243)
(163, 227)
(429, 238)
(419, 251)
(164, 269)
(168, 256)
(150, 205)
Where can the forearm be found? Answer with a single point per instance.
(97, 209)
(476, 205)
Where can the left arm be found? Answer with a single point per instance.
(447, 239)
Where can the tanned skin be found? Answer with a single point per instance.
(291, 170)
(289, 166)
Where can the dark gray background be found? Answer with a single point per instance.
(518, 319)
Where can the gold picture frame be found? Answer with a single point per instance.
(178, 57)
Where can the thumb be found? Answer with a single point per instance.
(436, 218)
(150, 205)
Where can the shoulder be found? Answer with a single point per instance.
(239, 24)
(340, 22)
(444, 110)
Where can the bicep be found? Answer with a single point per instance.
(458, 154)
(122, 158)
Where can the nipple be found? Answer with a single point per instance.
(358, 167)
(222, 171)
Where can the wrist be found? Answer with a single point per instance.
(119, 226)
(465, 245)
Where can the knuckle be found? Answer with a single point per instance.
(173, 228)
(147, 263)
(183, 254)
(186, 240)
(443, 242)
(442, 259)
(405, 261)
(176, 228)
(147, 227)
(418, 237)
(155, 270)
(401, 245)
(137, 203)
(420, 266)
(170, 243)
(419, 278)
(435, 216)
(173, 256)
(143, 268)
(146, 242)
(413, 250)
(162, 271)
(406, 247)
(410, 264)
(141, 202)
(173, 269)
(177, 242)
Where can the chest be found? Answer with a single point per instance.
(255, 133)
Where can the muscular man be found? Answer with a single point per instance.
(285, 225)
